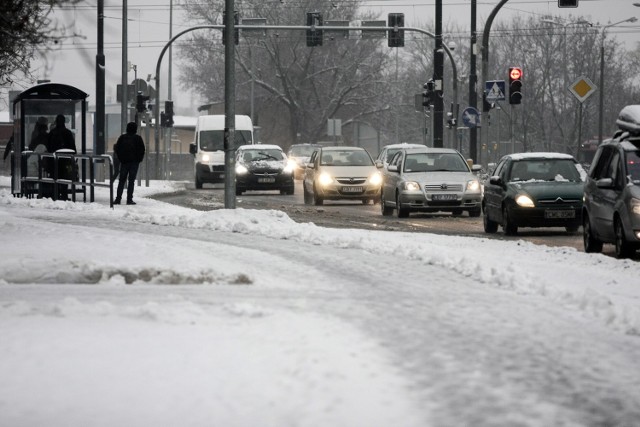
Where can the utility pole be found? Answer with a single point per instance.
(124, 106)
(229, 108)
(100, 82)
(473, 85)
(438, 71)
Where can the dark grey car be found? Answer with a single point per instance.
(611, 212)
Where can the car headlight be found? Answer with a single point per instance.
(205, 157)
(241, 169)
(473, 186)
(635, 206)
(411, 186)
(375, 178)
(524, 201)
(325, 179)
(289, 167)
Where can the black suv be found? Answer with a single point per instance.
(611, 211)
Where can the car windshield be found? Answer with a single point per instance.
(545, 170)
(345, 158)
(213, 140)
(302, 150)
(633, 166)
(432, 162)
(261, 155)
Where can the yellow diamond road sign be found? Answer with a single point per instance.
(582, 88)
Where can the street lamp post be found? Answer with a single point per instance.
(602, 36)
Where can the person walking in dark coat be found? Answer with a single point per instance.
(130, 151)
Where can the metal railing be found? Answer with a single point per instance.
(56, 181)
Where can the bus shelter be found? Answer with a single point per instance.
(41, 104)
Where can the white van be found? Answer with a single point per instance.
(208, 147)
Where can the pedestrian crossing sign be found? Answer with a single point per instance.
(494, 90)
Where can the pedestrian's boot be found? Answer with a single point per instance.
(117, 201)
(131, 202)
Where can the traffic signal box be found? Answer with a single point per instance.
(168, 113)
(429, 92)
(515, 85)
(314, 36)
(567, 3)
(141, 102)
(395, 38)
(236, 31)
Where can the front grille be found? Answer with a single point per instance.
(559, 202)
(351, 181)
(217, 168)
(449, 188)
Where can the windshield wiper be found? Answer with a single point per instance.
(268, 156)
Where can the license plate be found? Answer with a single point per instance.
(352, 189)
(444, 197)
(267, 180)
(559, 214)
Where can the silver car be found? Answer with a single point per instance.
(430, 180)
(341, 173)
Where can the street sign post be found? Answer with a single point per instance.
(582, 88)
(471, 117)
(494, 90)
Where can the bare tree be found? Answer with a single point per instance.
(25, 28)
(299, 87)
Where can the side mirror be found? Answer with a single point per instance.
(310, 165)
(379, 164)
(476, 168)
(192, 148)
(495, 180)
(392, 168)
(605, 183)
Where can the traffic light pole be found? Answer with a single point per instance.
(473, 85)
(438, 71)
(485, 47)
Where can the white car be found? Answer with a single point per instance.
(341, 173)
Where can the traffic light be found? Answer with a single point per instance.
(567, 3)
(395, 38)
(168, 112)
(515, 85)
(236, 31)
(141, 102)
(314, 35)
(429, 92)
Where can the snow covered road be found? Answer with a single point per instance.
(158, 315)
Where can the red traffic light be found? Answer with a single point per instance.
(515, 73)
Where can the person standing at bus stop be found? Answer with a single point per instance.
(130, 151)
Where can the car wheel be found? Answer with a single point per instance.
(386, 210)
(400, 211)
(489, 225)
(474, 213)
(238, 192)
(591, 243)
(365, 201)
(198, 182)
(623, 248)
(317, 200)
(308, 199)
(508, 226)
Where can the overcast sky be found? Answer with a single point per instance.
(74, 63)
